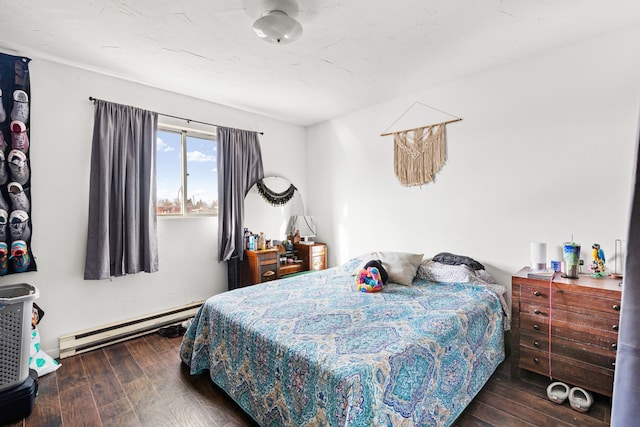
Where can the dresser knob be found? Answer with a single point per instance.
(614, 346)
(268, 273)
(536, 293)
(615, 327)
(536, 343)
(536, 360)
(616, 307)
(536, 311)
(536, 327)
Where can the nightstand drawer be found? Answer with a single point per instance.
(266, 258)
(318, 250)
(268, 272)
(317, 262)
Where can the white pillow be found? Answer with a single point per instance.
(437, 272)
(400, 266)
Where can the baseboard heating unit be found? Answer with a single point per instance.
(91, 339)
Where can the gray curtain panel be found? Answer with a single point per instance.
(122, 196)
(239, 167)
(626, 385)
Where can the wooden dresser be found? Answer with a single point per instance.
(584, 317)
(262, 266)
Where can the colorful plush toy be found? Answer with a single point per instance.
(369, 280)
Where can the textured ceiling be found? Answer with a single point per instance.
(353, 53)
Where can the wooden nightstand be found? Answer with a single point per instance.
(259, 266)
(313, 256)
(584, 314)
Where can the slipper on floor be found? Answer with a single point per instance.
(580, 399)
(557, 392)
(172, 331)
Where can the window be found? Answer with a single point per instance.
(186, 172)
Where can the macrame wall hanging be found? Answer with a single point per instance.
(274, 198)
(419, 153)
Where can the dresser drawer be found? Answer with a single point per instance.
(578, 333)
(268, 257)
(592, 321)
(317, 262)
(574, 372)
(571, 301)
(571, 349)
(268, 272)
(318, 250)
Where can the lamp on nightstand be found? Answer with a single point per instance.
(306, 225)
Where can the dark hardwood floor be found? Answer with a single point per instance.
(142, 382)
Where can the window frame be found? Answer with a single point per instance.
(185, 132)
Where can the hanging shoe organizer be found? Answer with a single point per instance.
(16, 255)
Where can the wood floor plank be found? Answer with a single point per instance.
(163, 372)
(106, 387)
(494, 416)
(123, 363)
(119, 414)
(77, 406)
(150, 407)
(515, 404)
(142, 352)
(47, 411)
(71, 374)
(167, 379)
(190, 413)
(468, 420)
(161, 344)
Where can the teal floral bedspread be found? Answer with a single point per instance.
(313, 351)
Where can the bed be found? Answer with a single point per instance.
(313, 351)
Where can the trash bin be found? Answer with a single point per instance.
(16, 305)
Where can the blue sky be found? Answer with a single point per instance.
(202, 167)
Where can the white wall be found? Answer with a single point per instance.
(545, 151)
(61, 129)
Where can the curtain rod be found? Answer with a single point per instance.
(92, 99)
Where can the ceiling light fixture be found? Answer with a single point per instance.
(277, 27)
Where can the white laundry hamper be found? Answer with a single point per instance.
(16, 305)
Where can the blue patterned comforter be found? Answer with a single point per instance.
(313, 351)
